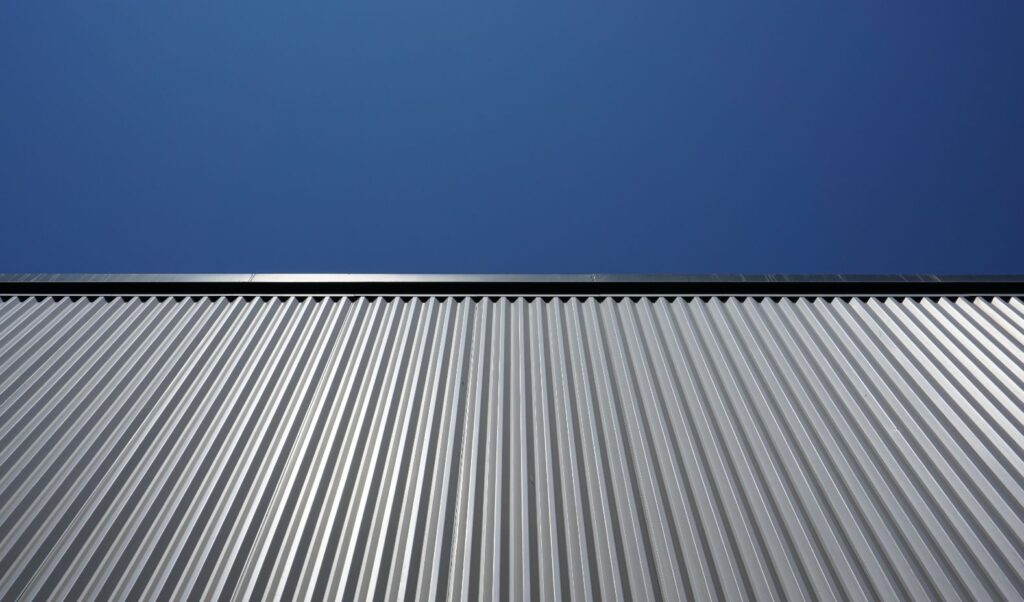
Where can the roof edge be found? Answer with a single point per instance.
(511, 284)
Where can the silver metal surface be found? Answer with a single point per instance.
(357, 448)
(512, 285)
(342, 278)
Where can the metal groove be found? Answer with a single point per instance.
(439, 447)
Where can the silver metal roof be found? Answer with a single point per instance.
(651, 448)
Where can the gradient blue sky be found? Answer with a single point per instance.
(500, 136)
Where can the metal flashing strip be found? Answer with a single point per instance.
(509, 285)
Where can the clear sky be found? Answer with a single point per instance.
(512, 136)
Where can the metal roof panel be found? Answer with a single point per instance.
(653, 448)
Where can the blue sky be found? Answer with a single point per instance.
(501, 136)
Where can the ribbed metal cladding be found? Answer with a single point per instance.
(664, 448)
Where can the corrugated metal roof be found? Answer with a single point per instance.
(508, 448)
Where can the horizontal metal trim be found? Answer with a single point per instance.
(543, 285)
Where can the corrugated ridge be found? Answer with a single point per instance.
(507, 448)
